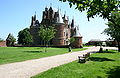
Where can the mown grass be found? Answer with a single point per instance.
(17, 54)
(101, 65)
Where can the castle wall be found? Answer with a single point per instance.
(34, 32)
(59, 36)
(3, 44)
(78, 42)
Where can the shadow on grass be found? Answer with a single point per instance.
(114, 73)
(100, 59)
(107, 52)
(33, 51)
(93, 52)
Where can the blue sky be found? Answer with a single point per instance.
(15, 15)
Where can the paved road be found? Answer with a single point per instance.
(30, 68)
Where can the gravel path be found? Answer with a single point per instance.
(30, 68)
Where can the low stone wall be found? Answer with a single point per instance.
(3, 44)
(64, 46)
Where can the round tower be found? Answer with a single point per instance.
(78, 39)
(59, 39)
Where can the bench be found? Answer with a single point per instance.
(84, 58)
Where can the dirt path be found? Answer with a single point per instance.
(30, 68)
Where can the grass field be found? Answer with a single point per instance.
(17, 54)
(101, 65)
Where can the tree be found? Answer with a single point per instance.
(113, 29)
(102, 8)
(1, 40)
(24, 37)
(71, 40)
(46, 34)
(10, 40)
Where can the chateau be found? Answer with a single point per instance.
(64, 29)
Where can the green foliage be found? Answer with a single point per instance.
(72, 39)
(1, 40)
(47, 33)
(10, 40)
(24, 37)
(101, 65)
(102, 8)
(17, 54)
(113, 29)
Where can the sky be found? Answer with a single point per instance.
(15, 15)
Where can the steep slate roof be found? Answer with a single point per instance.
(59, 18)
(77, 33)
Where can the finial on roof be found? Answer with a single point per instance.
(35, 12)
(73, 17)
(46, 6)
(65, 12)
(58, 9)
(50, 4)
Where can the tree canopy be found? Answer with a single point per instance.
(1, 40)
(24, 37)
(102, 8)
(10, 40)
(47, 33)
(113, 29)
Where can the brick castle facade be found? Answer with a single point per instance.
(64, 29)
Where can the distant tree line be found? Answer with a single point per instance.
(24, 37)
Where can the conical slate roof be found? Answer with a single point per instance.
(59, 18)
(65, 17)
(77, 33)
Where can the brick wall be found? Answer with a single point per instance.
(78, 42)
(3, 44)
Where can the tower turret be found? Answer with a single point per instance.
(34, 17)
(65, 18)
(59, 18)
(50, 13)
(72, 24)
(78, 38)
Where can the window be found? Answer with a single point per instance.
(64, 33)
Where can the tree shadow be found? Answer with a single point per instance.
(107, 52)
(93, 52)
(33, 51)
(100, 59)
(114, 72)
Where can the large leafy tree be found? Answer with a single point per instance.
(113, 29)
(102, 8)
(46, 34)
(24, 37)
(10, 40)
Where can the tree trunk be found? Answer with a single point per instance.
(69, 48)
(101, 49)
(118, 46)
(46, 46)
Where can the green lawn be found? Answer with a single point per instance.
(17, 54)
(101, 65)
